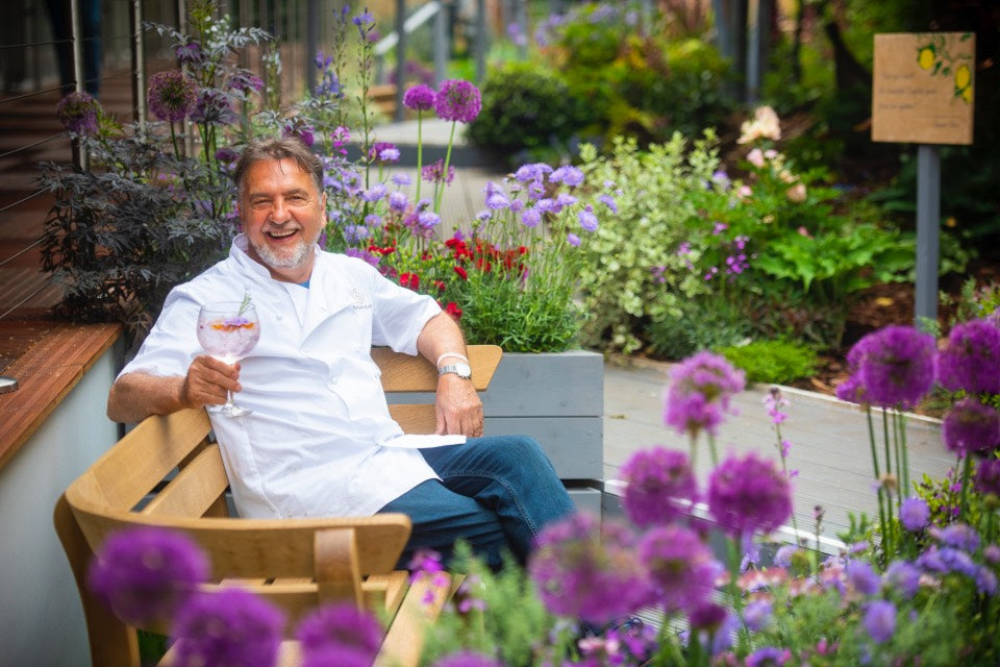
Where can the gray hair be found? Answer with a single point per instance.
(289, 148)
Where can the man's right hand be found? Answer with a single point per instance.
(207, 382)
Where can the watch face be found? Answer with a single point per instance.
(463, 370)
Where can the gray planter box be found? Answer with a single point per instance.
(558, 399)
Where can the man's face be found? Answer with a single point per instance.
(283, 215)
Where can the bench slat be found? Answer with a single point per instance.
(195, 490)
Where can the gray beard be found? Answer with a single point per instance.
(286, 260)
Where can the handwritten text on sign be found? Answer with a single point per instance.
(922, 88)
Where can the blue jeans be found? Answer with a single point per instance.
(495, 493)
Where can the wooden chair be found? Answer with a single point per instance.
(166, 472)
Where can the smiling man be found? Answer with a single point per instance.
(319, 440)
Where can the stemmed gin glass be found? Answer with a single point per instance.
(228, 330)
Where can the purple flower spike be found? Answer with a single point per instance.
(880, 620)
(914, 513)
(971, 426)
(172, 95)
(230, 627)
(419, 98)
(457, 100)
(971, 360)
(588, 569)
(749, 494)
(340, 630)
(659, 486)
(78, 113)
(894, 367)
(146, 574)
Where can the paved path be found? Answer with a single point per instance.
(830, 443)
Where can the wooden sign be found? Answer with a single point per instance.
(922, 88)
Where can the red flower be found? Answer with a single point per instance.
(439, 284)
(454, 310)
(462, 273)
(410, 280)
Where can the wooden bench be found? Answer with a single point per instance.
(167, 472)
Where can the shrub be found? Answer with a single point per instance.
(702, 324)
(526, 109)
(772, 361)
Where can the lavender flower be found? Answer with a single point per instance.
(894, 366)
(659, 484)
(681, 564)
(78, 112)
(467, 659)
(229, 628)
(171, 96)
(535, 171)
(588, 569)
(903, 577)
(988, 477)
(397, 202)
(700, 389)
(457, 101)
(914, 513)
(971, 359)
(970, 426)
(342, 630)
(863, 578)
(768, 656)
(419, 98)
(145, 574)
(880, 620)
(749, 494)
(573, 240)
(569, 175)
(213, 107)
(587, 219)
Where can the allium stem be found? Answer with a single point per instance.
(966, 478)
(712, 450)
(439, 193)
(878, 480)
(905, 488)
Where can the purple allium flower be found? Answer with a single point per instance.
(757, 615)
(588, 221)
(768, 656)
(457, 100)
(904, 577)
(700, 389)
(863, 578)
(419, 98)
(894, 365)
(988, 477)
(467, 659)
(681, 564)
(229, 627)
(749, 494)
(971, 359)
(213, 106)
(342, 630)
(914, 513)
(171, 96)
(970, 426)
(145, 574)
(659, 485)
(588, 569)
(880, 620)
(708, 616)
(78, 113)
(569, 175)
(851, 390)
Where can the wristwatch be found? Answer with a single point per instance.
(463, 371)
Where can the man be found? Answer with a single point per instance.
(320, 441)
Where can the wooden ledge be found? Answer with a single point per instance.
(46, 373)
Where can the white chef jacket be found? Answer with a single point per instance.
(314, 443)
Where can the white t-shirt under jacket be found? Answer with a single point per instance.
(314, 443)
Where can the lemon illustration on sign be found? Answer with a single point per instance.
(963, 83)
(926, 57)
(967, 94)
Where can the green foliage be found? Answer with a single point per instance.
(703, 323)
(527, 109)
(772, 361)
(632, 271)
